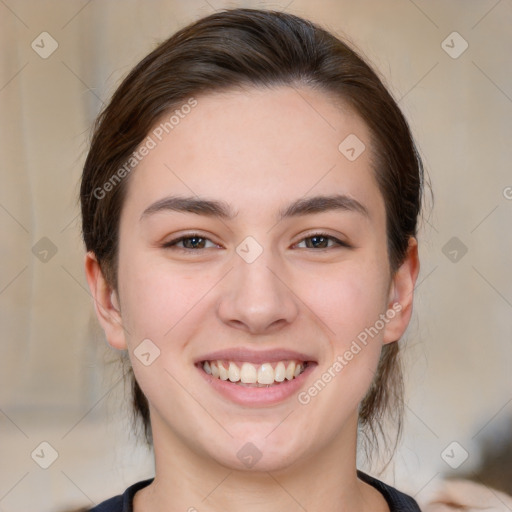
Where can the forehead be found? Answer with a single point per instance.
(257, 148)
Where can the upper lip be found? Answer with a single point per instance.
(255, 357)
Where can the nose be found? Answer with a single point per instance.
(256, 297)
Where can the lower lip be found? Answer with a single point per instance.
(254, 396)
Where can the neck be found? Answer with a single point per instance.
(185, 480)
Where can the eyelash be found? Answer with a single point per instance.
(173, 243)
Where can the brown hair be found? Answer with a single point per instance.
(256, 48)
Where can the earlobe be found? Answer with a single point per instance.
(402, 294)
(106, 303)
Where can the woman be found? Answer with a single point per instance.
(249, 204)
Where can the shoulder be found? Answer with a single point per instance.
(396, 500)
(122, 502)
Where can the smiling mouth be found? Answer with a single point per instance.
(254, 375)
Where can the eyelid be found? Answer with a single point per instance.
(178, 239)
(337, 241)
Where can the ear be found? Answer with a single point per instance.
(106, 303)
(401, 294)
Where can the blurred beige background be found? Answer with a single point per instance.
(58, 383)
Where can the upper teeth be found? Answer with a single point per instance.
(247, 373)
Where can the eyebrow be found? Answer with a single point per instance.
(222, 210)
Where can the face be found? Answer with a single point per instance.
(253, 262)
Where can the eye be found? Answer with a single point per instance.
(321, 241)
(192, 242)
(196, 242)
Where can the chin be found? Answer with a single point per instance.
(256, 461)
(262, 453)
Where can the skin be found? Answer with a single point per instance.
(258, 150)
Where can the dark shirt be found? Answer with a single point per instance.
(396, 500)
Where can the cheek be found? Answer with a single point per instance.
(160, 305)
(348, 299)
(155, 298)
(350, 306)
(350, 303)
